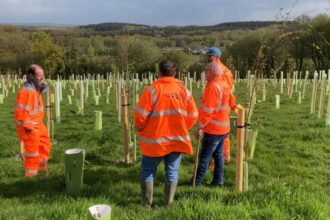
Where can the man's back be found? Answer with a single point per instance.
(164, 114)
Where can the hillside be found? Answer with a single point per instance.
(126, 28)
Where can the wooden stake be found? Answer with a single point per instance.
(48, 111)
(126, 126)
(21, 148)
(240, 148)
(135, 147)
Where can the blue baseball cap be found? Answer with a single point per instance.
(213, 51)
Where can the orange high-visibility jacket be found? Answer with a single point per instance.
(163, 115)
(227, 74)
(216, 102)
(29, 110)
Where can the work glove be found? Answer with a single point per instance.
(199, 133)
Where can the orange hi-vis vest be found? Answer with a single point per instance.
(216, 102)
(163, 115)
(227, 74)
(29, 110)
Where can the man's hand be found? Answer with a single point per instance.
(235, 109)
(199, 133)
(138, 129)
(28, 130)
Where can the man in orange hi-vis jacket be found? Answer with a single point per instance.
(213, 54)
(163, 116)
(214, 125)
(29, 114)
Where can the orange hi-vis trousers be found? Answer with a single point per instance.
(37, 148)
(226, 148)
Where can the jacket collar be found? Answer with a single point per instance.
(216, 78)
(168, 79)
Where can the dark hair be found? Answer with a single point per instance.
(167, 68)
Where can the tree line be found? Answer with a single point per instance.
(302, 44)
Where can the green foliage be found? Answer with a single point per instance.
(46, 53)
(303, 44)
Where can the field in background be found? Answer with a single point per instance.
(288, 178)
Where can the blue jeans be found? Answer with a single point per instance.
(149, 167)
(212, 146)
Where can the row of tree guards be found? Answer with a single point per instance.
(122, 92)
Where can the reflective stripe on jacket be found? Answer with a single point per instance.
(29, 109)
(163, 115)
(215, 107)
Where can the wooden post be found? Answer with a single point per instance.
(135, 147)
(21, 148)
(119, 101)
(48, 111)
(240, 148)
(126, 126)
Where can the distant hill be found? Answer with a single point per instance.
(38, 25)
(126, 28)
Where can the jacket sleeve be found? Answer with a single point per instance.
(232, 101)
(143, 110)
(192, 112)
(209, 104)
(24, 106)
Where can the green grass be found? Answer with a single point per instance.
(288, 178)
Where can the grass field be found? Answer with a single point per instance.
(288, 178)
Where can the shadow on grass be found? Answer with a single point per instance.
(28, 186)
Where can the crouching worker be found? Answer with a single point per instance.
(29, 114)
(214, 125)
(163, 116)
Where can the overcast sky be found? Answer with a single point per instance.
(154, 12)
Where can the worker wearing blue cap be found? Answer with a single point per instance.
(213, 55)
